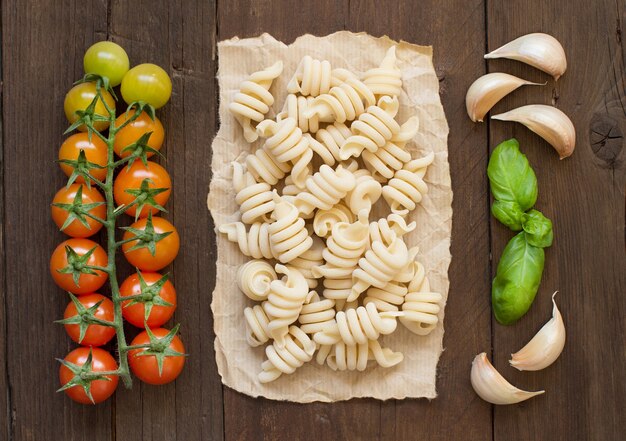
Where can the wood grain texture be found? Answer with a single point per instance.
(42, 47)
(179, 36)
(584, 196)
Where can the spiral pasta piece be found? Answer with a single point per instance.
(307, 260)
(379, 266)
(385, 357)
(286, 143)
(344, 102)
(265, 168)
(345, 357)
(255, 199)
(257, 325)
(357, 326)
(373, 128)
(254, 278)
(297, 350)
(388, 298)
(315, 77)
(297, 107)
(407, 187)
(329, 141)
(384, 229)
(324, 220)
(387, 78)
(344, 247)
(316, 313)
(254, 242)
(253, 100)
(288, 235)
(421, 307)
(324, 189)
(391, 157)
(365, 193)
(285, 301)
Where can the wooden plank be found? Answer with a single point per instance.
(265, 419)
(455, 29)
(584, 197)
(37, 72)
(4, 379)
(179, 36)
(457, 411)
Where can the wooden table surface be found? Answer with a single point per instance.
(42, 48)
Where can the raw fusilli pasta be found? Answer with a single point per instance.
(254, 242)
(254, 278)
(387, 78)
(253, 100)
(298, 349)
(325, 188)
(255, 200)
(421, 306)
(407, 187)
(289, 238)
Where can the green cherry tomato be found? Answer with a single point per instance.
(107, 59)
(147, 82)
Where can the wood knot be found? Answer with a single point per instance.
(606, 138)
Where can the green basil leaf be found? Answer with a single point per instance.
(517, 279)
(538, 229)
(509, 213)
(511, 177)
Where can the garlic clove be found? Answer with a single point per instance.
(539, 50)
(492, 387)
(487, 90)
(545, 347)
(548, 122)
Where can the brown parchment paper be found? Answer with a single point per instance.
(238, 363)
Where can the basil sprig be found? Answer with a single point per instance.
(514, 187)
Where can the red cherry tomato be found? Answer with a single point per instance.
(134, 130)
(131, 179)
(146, 367)
(87, 283)
(135, 313)
(89, 196)
(100, 389)
(95, 151)
(96, 335)
(166, 249)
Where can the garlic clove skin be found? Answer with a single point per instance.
(545, 347)
(487, 90)
(492, 387)
(539, 50)
(548, 122)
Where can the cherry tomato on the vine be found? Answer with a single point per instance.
(166, 249)
(95, 335)
(79, 97)
(147, 82)
(95, 151)
(134, 130)
(76, 228)
(87, 283)
(134, 313)
(107, 59)
(130, 178)
(146, 367)
(100, 389)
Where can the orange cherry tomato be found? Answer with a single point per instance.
(87, 283)
(131, 178)
(133, 131)
(89, 196)
(95, 151)
(166, 248)
(96, 335)
(100, 389)
(146, 367)
(135, 313)
(79, 97)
